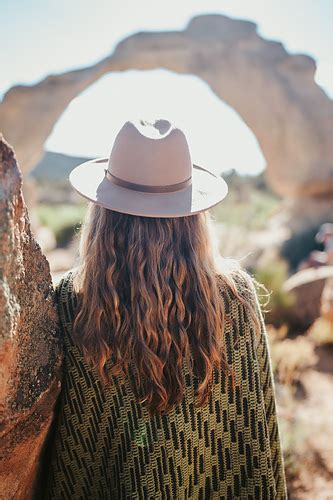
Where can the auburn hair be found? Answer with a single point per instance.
(148, 296)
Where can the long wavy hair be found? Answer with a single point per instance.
(148, 297)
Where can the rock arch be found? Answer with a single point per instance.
(274, 93)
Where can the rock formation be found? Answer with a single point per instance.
(30, 354)
(308, 286)
(274, 93)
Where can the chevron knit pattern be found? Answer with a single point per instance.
(106, 446)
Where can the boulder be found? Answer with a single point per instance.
(30, 350)
(307, 286)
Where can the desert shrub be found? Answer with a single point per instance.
(298, 247)
(245, 207)
(65, 234)
(321, 331)
(64, 220)
(273, 275)
(291, 357)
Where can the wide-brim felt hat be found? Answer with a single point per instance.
(149, 173)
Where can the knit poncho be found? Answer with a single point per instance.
(104, 445)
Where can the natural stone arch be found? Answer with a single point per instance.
(274, 93)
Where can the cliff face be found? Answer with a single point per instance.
(30, 351)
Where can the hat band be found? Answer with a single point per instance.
(145, 187)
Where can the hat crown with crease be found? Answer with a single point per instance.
(144, 152)
(149, 173)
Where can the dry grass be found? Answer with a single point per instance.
(290, 357)
(321, 332)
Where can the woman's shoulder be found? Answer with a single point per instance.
(65, 298)
(62, 283)
(238, 286)
(236, 280)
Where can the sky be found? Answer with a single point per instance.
(39, 37)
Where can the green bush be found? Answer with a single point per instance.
(64, 220)
(299, 246)
(65, 235)
(272, 276)
(247, 208)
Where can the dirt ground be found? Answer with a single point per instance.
(310, 416)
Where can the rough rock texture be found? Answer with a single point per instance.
(274, 92)
(30, 354)
(29, 113)
(307, 286)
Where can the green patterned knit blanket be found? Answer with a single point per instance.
(104, 444)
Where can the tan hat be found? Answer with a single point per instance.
(149, 173)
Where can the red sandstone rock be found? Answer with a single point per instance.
(30, 351)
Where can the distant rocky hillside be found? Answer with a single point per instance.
(55, 166)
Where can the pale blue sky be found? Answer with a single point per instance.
(39, 37)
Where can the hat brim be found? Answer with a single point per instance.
(206, 191)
